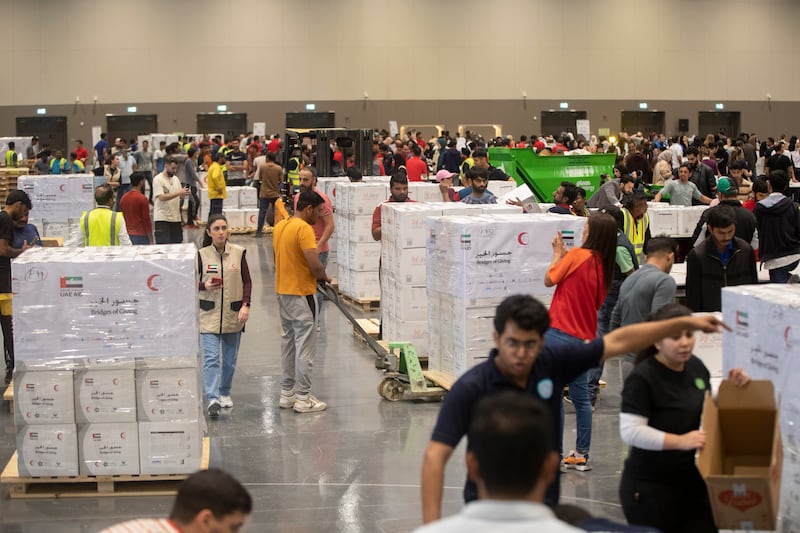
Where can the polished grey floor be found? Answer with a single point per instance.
(354, 467)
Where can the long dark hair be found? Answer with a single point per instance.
(211, 219)
(603, 240)
(666, 312)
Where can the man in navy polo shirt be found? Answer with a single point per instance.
(521, 361)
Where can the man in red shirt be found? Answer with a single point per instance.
(136, 210)
(274, 145)
(81, 152)
(398, 188)
(416, 168)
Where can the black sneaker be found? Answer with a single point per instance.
(214, 408)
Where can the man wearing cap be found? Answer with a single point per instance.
(721, 260)
(681, 191)
(746, 226)
(445, 180)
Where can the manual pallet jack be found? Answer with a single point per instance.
(403, 378)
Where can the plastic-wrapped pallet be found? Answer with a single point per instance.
(424, 192)
(473, 262)
(765, 341)
(58, 201)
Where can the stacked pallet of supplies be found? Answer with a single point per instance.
(473, 263)
(764, 340)
(107, 380)
(673, 220)
(240, 206)
(357, 253)
(58, 202)
(403, 264)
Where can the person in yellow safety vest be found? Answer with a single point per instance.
(58, 165)
(293, 171)
(636, 222)
(76, 164)
(102, 226)
(11, 155)
(466, 162)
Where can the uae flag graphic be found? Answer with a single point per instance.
(71, 282)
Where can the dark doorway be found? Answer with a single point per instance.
(128, 127)
(51, 131)
(228, 124)
(644, 121)
(555, 122)
(729, 123)
(311, 120)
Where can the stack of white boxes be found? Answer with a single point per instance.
(58, 202)
(404, 299)
(106, 379)
(472, 264)
(240, 206)
(765, 342)
(357, 252)
(673, 220)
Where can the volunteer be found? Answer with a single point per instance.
(225, 288)
(661, 406)
(636, 222)
(582, 277)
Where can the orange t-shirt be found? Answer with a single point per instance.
(580, 292)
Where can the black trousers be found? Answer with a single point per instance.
(168, 232)
(673, 505)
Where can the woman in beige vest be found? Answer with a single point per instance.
(225, 288)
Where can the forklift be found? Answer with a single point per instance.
(358, 142)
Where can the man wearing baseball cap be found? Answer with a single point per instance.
(746, 226)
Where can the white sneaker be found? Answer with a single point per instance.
(287, 399)
(213, 409)
(225, 401)
(308, 404)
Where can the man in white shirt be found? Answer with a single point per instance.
(510, 458)
(167, 195)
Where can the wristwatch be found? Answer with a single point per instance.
(247, 304)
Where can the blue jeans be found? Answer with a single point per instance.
(123, 188)
(781, 275)
(263, 205)
(139, 239)
(218, 383)
(578, 390)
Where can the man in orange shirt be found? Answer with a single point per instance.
(297, 270)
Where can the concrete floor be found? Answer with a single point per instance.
(354, 467)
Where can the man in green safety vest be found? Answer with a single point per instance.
(293, 171)
(11, 155)
(102, 226)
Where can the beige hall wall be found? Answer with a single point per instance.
(415, 62)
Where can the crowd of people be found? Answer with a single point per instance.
(613, 296)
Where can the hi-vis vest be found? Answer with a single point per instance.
(57, 166)
(467, 164)
(11, 158)
(100, 227)
(219, 308)
(294, 175)
(635, 230)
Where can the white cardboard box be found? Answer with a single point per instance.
(359, 228)
(361, 285)
(231, 200)
(44, 398)
(235, 217)
(50, 450)
(251, 218)
(169, 394)
(363, 257)
(109, 449)
(501, 188)
(248, 197)
(424, 192)
(360, 198)
(105, 396)
(170, 447)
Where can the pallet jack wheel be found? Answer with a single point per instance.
(391, 389)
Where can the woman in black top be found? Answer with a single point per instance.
(661, 406)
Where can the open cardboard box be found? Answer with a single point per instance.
(742, 459)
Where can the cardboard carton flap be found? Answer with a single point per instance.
(758, 394)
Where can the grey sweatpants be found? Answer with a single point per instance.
(298, 341)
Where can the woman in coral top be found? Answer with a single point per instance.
(581, 277)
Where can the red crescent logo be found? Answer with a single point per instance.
(55, 387)
(154, 282)
(180, 383)
(122, 435)
(60, 436)
(786, 337)
(61, 188)
(115, 381)
(522, 238)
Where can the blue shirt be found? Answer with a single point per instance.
(27, 234)
(553, 369)
(725, 256)
(99, 147)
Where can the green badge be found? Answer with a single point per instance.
(699, 383)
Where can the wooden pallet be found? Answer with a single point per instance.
(93, 486)
(8, 395)
(362, 305)
(445, 381)
(370, 325)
